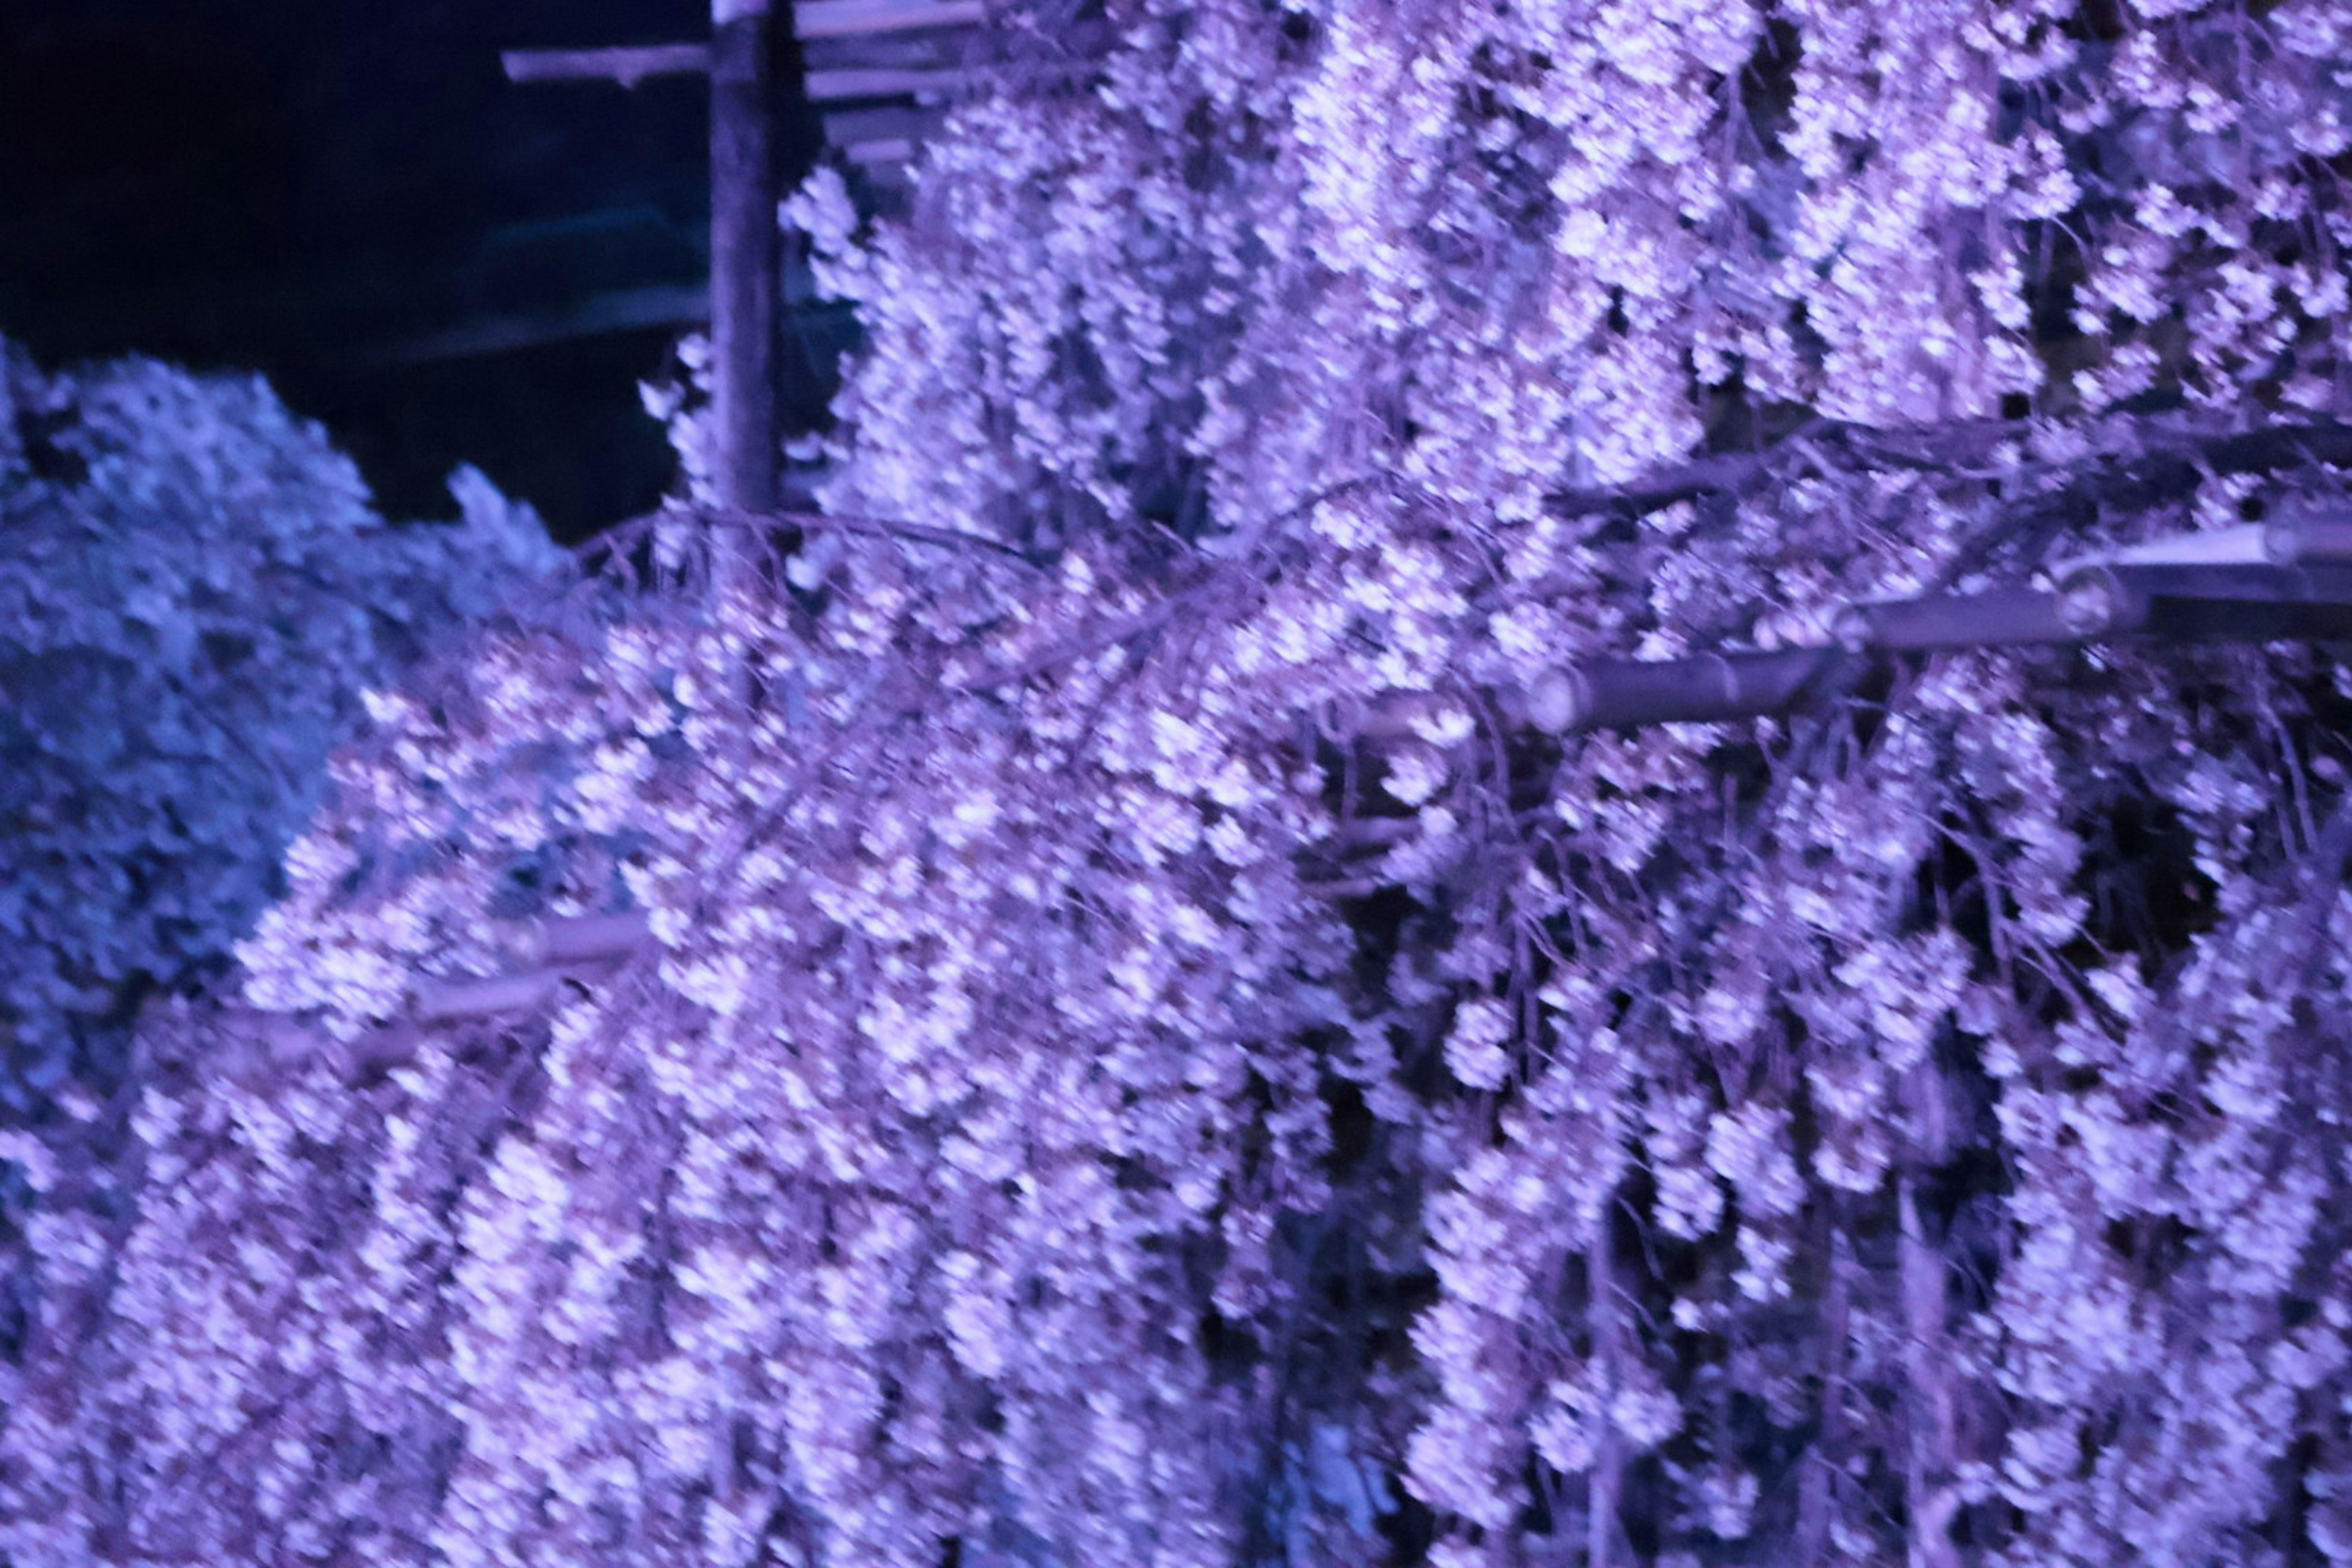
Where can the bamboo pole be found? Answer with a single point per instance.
(2307, 541)
(2004, 616)
(850, 127)
(627, 66)
(855, 19)
(2211, 602)
(567, 946)
(582, 939)
(2221, 598)
(1609, 694)
(440, 1001)
(864, 153)
(841, 86)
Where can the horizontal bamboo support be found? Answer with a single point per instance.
(893, 123)
(2249, 544)
(863, 153)
(440, 1001)
(2004, 616)
(2220, 598)
(860, 18)
(841, 86)
(2307, 536)
(1410, 715)
(2218, 601)
(2309, 542)
(581, 939)
(566, 944)
(1609, 694)
(627, 66)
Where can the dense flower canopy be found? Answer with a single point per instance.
(192, 589)
(1140, 1052)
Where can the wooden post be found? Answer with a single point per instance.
(872, 49)
(743, 254)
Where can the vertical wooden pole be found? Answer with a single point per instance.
(742, 256)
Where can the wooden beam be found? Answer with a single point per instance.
(569, 947)
(2007, 618)
(1078, 48)
(857, 18)
(439, 1001)
(1609, 694)
(581, 939)
(850, 127)
(627, 66)
(881, 152)
(2249, 544)
(743, 256)
(922, 85)
(2224, 601)
(2243, 545)
(2309, 539)
(2221, 600)
(2308, 533)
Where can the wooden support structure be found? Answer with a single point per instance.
(864, 19)
(2221, 603)
(627, 66)
(862, 52)
(894, 123)
(924, 86)
(574, 947)
(2282, 582)
(743, 256)
(812, 20)
(1611, 694)
(2005, 616)
(589, 939)
(744, 253)
(2309, 540)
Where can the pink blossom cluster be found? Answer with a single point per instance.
(1145, 1055)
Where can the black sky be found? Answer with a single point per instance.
(310, 190)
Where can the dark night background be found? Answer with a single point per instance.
(336, 194)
